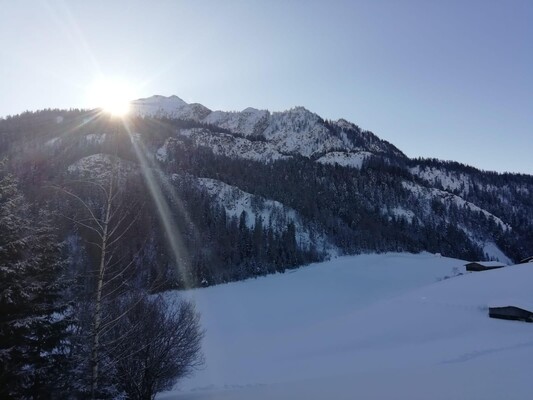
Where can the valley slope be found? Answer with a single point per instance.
(369, 326)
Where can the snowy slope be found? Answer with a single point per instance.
(276, 214)
(344, 159)
(171, 107)
(96, 138)
(450, 181)
(494, 252)
(462, 183)
(372, 327)
(157, 106)
(99, 167)
(448, 198)
(232, 146)
(248, 122)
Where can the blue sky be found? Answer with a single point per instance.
(446, 79)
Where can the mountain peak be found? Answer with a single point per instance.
(158, 105)
(161, 99)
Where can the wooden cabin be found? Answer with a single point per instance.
(483, 266)
(512, 313)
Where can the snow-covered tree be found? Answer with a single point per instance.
(32, 323)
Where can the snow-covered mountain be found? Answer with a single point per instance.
(318, 187)
(263, 136)
(297, 131)
(169, 107)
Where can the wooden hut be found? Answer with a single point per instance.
(483, 265)
(511, 312)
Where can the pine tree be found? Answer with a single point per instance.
(32, 323)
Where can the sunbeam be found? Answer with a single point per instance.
(173, 235)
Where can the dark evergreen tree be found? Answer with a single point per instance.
(32, 317)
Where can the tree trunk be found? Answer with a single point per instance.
(97, 318)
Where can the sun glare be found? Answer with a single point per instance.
(111, 95)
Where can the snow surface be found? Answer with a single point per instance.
(401, 212)
(233, 147)
(171, 107)
(494, 252)
(369, 326)
(247, 122)
(353, 160)
(99, 166)
(53, 142)
(449, 180)
(157, 106)
(96, 138)
(162, 153)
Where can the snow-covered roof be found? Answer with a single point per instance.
(524, 304)
(488, 263)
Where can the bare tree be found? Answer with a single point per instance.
(107, 220)
(127, 342)
(154, 344)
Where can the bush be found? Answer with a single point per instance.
(153, 344)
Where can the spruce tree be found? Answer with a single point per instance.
(32, 323)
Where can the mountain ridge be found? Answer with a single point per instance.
(329, 184)
(294, 131)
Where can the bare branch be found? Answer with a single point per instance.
(96, 220)
(77, 222)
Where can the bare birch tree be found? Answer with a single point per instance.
(138, 345)
(106, 219)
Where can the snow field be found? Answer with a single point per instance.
(375, 326)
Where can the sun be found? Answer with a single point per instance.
(111, 95)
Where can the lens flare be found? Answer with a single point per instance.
(111, 95)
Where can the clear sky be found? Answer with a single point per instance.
(448, 79)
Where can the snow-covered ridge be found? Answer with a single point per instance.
(296, 131)
(225, 145)
(344, 159)
(272, 213)
(248, 122)
(461, 183)
(450, 198)
(400, 212)
(96, 138)
(449, 180)
(99, 167)
(171, 107)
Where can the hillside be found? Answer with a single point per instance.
(252, 192)
(370, 326)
